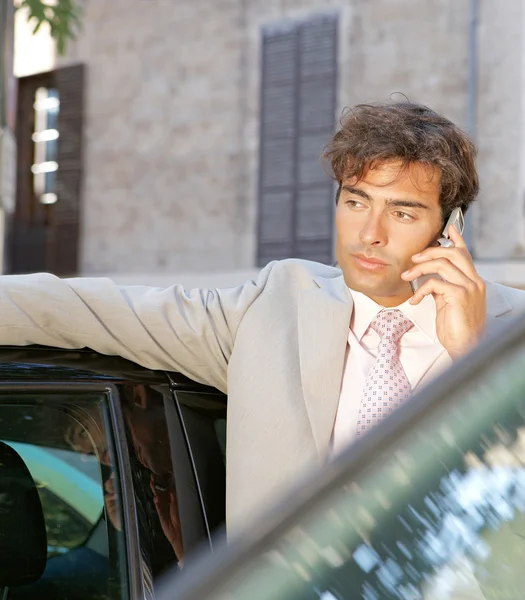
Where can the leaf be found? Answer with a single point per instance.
(64, 19)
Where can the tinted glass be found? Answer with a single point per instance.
(204, 416)
(70, 490)
(156, 488)
(65, 442)
(441, 515)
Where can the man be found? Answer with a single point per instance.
(296, 349)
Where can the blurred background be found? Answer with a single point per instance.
(179, 140)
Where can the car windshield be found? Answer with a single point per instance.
(434, 510)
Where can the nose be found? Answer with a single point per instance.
(373, 232)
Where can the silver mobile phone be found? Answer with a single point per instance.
(458, 220)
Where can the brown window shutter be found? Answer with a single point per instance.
(298, 103)
(278, 133)
(46, 237)
(66, 215)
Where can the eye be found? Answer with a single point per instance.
(403, 216)
(355, 204)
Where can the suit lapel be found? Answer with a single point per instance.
(324, 319)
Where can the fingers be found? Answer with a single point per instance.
(451, 293)
(457, 238)
(444, 259)
(439, 266)
(460, 257)
(460, 291)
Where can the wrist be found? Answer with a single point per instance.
(458, 352)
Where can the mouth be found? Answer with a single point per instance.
(369, 263)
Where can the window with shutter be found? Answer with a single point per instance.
(298, 104)
(43, 232)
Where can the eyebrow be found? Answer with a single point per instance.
(389, 202)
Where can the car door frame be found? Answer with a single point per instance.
(180, 438)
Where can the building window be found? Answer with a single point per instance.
(298, 113)
(43, 231)
(45, 136)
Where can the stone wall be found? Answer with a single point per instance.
(163, 137)
(500, 127)
(173, 115)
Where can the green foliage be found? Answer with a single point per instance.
(63, 16)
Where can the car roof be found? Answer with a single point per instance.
(41, 363)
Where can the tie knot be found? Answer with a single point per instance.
(391, 324)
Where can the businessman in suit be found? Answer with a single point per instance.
(305, 351)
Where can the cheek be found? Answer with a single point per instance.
(406, 240)
(415, 244)
(425, 239)
(346, 225)
(341, 241)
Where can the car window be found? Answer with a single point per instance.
(157, 487)
(70, 491)
(66, 443)
(439, 515)
(179, 497)
(204, 416)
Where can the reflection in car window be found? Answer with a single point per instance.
(65, 442)
(155, 487)
(169, 505)
(440, 516)
(70, 493)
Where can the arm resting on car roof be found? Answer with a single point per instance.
(170, 329)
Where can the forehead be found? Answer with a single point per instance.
(395, 180)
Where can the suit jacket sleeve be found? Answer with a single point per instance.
(170, 329)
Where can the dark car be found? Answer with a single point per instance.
(109, 474)
(429, 506)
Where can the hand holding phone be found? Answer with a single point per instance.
(448, 274)
(458, 220)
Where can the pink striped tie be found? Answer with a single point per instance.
(386, 386)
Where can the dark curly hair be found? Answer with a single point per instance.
(409, 133)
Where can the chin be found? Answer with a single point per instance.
(373, 286)
(357, 280)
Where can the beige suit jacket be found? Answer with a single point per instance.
(275, 345)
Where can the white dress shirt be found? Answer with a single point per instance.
(419, 351)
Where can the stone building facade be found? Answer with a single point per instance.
(173, 104)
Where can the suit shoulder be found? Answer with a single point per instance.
(297, 268)
(498, 293)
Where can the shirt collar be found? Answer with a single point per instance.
(365, 310)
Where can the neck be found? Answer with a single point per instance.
(390, 301)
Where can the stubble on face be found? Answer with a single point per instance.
(382, 220)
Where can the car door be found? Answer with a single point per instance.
(430, 505)
(177, 466)
(71, 437)
(122, 496)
